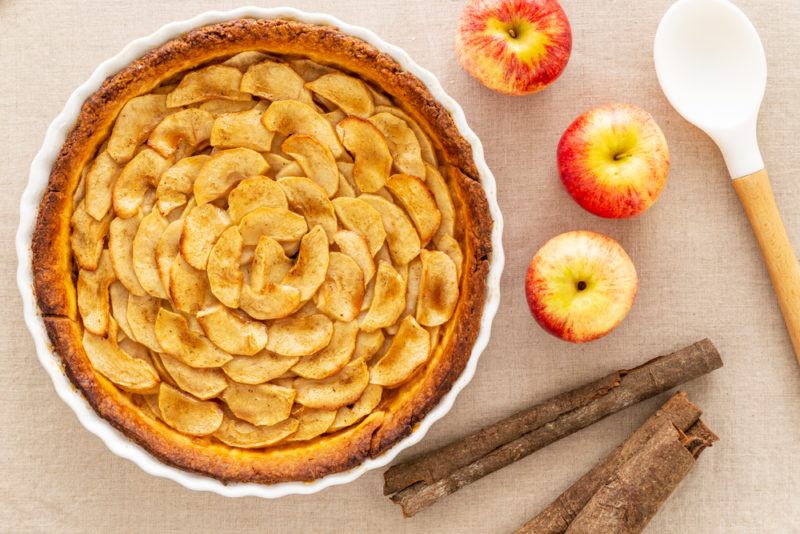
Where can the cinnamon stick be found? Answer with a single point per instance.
(627, 502)
(422, 481)
(677, 411)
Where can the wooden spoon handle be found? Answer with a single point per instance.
(755, 193)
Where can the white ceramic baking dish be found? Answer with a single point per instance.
(29, 204)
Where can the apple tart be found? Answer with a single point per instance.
(262, 251)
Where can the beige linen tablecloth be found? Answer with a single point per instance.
(698, 264)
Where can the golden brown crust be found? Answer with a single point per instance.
(52, 271)
(53, 276)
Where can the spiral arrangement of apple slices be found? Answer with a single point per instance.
(263, 247)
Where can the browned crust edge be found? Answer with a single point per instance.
(52, 268)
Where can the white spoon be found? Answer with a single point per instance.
(712, 68)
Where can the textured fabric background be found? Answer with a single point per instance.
(699, 268)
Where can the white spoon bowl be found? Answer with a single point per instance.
(711, 65)
(713, 70)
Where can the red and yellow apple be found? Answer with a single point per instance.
(515, 47)
(580, 285)
(614, 160)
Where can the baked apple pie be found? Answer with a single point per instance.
(262, 251)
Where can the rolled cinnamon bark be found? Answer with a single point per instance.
(627, 502)
(422, 481)
(678, 411)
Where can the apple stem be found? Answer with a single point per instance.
(581, 285)
(512, 33)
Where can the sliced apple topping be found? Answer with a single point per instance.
(188, 287)
(281, 248)
(355, 245)
(345, 188)
(331, 359)
(139, 174)
(299, 336)
(183, 131)
(410, 348)
(99, 184)
(176, 183)
(418, 202)
(309, 270)
(289, 117)
(141, 315)
(143, 253)
(131, 347)
(255, 192)
(224, 170)
(225, 275)
(308, 308)
(149, 407)
(119, 307)
(401, 237)
(274, 81)
(272, 301)
(310, 200)
(278, 223)
(389, 299)
(87, 236)
(261, 404)
(450, 246)
(201, 229)
(276, 161)
(232, 331)
(166, 250)
(341, 389)
(373, 159)
(136, 120)
(312, 423)
(413, 279)
(316, 160)
(93, 295)
(426, 147)
(309, 70)
(403, 144)
(259, 368)
(131, 374)
(368, 344)
(346, 173)
(438, 293)
(220, 106)
(350, 415)
(244, 60)
(242, 434)
(342, 292)
(270, 264)
(444, 202)
(162, 372)
(202, 383)
(335, 116)
(356, 215)
(120, 247)
(242, 129)
(187, 414)
(178, 340)
(292, 169)
(347, 93)
(215, 81)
